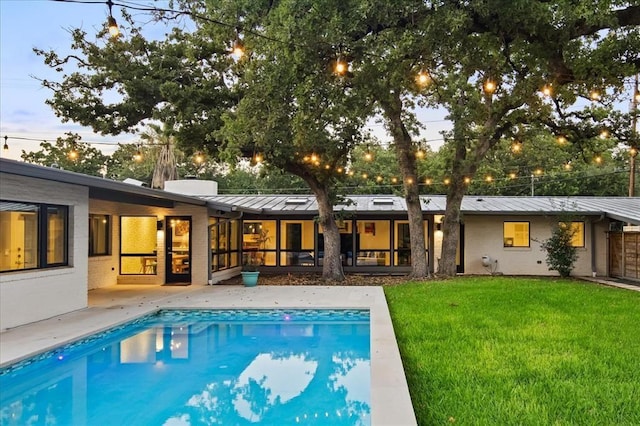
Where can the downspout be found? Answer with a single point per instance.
(593, 247)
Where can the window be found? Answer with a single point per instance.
(99, 235)
(32, 236)
(296, 243)
(259, 242)
(224, 243)
(138, 245)
(577, 233)
(373, 243)
(516, 234)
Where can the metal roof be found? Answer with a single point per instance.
(106, 189)
(619, 208)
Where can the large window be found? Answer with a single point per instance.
(32, 236)
(99, 235)
(516, 234)
(138, 245)
(296, 243)
(224, 243)
(373, 243)
(259, 242)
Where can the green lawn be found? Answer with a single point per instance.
(514, 351)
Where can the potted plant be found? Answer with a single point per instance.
(250, 271)
(254, 259)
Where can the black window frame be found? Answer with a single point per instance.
(42, 239)
(107, 230)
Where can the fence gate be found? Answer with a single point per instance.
(624, 255)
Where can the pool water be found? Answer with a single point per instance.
(204, 367)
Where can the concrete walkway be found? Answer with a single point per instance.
(612, 282)
(390, 400)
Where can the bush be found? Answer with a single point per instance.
(561, 254)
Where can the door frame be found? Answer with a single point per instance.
(172, 277)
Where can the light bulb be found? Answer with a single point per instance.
(113, 27)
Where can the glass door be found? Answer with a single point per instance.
(178, 249)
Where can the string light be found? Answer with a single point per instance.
(198, 158)
(467, 180)
(446, 181)
(423, 79)
(379, 178)
(594, 95)
(340, 67)
(489, 178)
(538, 172)
(547, 90)
(512, 175)
(604, 134)
(137, 157)
(420, 154)
(259, 159)
(598, 159)
(561, 140)
(73, 154)
(428, 181)
(632, 151)
(111, 22)
(490, 86)
(516, 147)
(567, 166)
(368, 156)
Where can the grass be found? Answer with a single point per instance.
(514, 351)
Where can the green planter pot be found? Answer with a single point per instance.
(250, 278)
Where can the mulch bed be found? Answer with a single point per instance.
(316, 279)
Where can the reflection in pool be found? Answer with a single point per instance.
(202, 367)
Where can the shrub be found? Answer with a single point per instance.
(561, 254)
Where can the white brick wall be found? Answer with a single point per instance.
(29, 296)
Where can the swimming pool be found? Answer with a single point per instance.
(187, 367)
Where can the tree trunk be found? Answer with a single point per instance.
(451, 230)
(407, 163)
(332, 264)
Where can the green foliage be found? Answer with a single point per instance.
(561, 254)
(513, 351)
(68, 153)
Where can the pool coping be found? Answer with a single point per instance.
(115, 305)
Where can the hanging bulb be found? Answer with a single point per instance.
(567, 166)
(446, 181)
(259, 158)
(428, 181)
(594, 95)
(368, 156)
(5, 147)
(419, 154)
(238, 48)
(547, 90)
(516, 147)
(113, 27)
(467, 180)
(423, 79)
(512, 175)
(73, 154)
(489, 178)
(489, 86)
(632, 151)
(598, 159)
(379, 178)
(538, 172)
(604, 134)
(199, 158)
(137, 157)
(561, 140)
(340, 67)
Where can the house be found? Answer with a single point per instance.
(64, 233)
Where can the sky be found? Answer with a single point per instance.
(45, 24)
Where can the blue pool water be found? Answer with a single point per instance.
(204, 367)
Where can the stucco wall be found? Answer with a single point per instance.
(484, 236)
(29, 296)
(104, 270)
